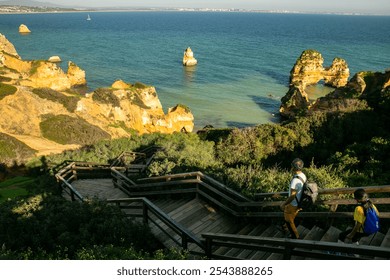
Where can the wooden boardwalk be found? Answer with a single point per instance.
(199, 217)
(101, 189)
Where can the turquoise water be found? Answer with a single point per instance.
(244, 59)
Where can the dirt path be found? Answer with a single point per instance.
(43, 146)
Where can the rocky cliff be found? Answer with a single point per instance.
(309, 70)
(41, 108)
(364, 89)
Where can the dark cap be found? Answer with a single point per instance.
(297, 164)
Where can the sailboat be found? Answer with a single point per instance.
(88, 18)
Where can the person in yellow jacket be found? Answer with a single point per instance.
(353, 235)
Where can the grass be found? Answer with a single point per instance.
(14, 187)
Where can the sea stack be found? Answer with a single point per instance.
(24, 29)
(54, 59)
(189, 59)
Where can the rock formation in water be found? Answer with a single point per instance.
(54, 59)
(364, 89)
(309, 70)
(24, 29)
(188, 58)
(35, 94)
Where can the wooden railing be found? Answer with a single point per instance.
(76, 170)
(241, 206)
(151, 213)
(290, 247)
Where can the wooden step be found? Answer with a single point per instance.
(386, 240)
(331, 235)
(302, 233)
(372, 240)
(268, 232)
(315, 233)
(236, 252)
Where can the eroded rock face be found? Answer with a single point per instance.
(309, 70)
(135, 108)
(76, 75)
(337, 74)
(7, 47)
(188, 58)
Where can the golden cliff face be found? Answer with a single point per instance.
(43, 90)
(309, 70)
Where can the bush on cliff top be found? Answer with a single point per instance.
(12, 150)
(6, 90)
(69, 102)
(64, 129)
(105, 96)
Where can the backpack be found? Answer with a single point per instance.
(371, 224)
(309, 193)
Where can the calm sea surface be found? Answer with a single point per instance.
(244, 59)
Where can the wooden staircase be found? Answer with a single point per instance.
(199, 217)
(194, 212)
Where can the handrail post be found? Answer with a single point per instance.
(208, 247)
(287, 251)
(184, 241)
(144, 213)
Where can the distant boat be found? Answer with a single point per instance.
(88, 18)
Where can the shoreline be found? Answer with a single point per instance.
(187, 10)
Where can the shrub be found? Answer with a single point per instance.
(69, 102)
(106, 96)
(182, 152)
(6, 90)
(12, 150)
(48, 226)
(64, 129)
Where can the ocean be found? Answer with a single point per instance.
(244, 59)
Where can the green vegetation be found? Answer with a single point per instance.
(6, 90)
(106, 96)
(14, 187)
(69, 102)
(64, 129)
(35, 65)
(45, 226)
(12, 150)
(140, 85)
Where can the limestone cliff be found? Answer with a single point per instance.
(309, 70)
(7, 47)
(40, 108)
(364, 89)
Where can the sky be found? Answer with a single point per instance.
(358, 6)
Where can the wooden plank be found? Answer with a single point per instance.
(245, 253)
(260, 255)
(315, 233)
(331, 235)
(386, 240)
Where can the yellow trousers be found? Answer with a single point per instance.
(290, 212)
